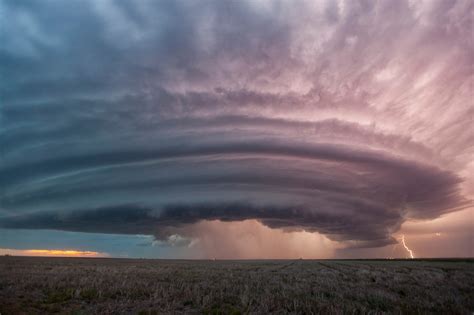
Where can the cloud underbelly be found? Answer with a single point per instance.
(347, 192)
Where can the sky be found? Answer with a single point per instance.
(237, 129)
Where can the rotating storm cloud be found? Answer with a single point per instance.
(345, 119)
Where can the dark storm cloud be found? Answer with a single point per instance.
(196, 149)
(130, 219)
(338, 201)
(345, 118)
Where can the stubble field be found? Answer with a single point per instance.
(134, 286)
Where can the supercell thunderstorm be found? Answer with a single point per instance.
(151, 118)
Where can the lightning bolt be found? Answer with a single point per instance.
(406, 247)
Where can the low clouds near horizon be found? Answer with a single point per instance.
(345, 119)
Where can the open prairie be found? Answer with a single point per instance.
(134, 286)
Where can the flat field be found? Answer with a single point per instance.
(135, 286)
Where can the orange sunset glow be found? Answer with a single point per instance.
(51, 253)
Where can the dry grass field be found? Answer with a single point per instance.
(126, 286)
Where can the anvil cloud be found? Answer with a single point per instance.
(346, 118)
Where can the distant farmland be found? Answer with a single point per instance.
(129, 286)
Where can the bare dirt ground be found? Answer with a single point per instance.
(133, 286)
